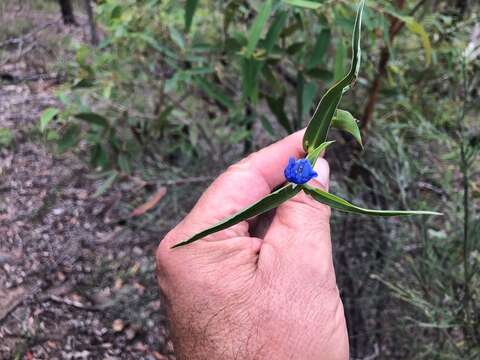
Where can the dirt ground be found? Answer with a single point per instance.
(77, 273)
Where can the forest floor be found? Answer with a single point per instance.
(77, 271)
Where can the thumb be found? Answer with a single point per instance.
(300, 230)
(303, 213)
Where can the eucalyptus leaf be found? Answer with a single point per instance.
(257, 27)
(317, 130)
(69, 138)
(190, 8)
(93, 118)
(107, 184)
(268, 203)
(345, 121)
(276, 106)
(304, 4)
(47, 116)
(338, 203)
(416, 28)
(214, 92)
(275, 30)
(320, 48)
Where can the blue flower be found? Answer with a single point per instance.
(299, 171)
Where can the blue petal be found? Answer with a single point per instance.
(299, 171)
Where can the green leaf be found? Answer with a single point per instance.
(6, 137)
(69, 137)
(320, 48)
(415, 27)
(299, 90)
(190, 8)
(266, 125)
(93, 118)
(268, 203)
(83, 83)
(304, 4)
(317, 130)
(250, 70)
(418, 29)
(320, 74)
(107, 184)
(99, 156)
(257, 27)
(276, 106)
(338, 203)
(313, 155)
(214, 92)
(309, 92)
(177, 37)
(345, 121)
(275, 31)
(47, 116)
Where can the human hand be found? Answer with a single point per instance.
(263, 289)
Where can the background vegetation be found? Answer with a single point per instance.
(175, 88)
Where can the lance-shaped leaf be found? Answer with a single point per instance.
(190, 8)
(345, 121)
(93, 118)
(319, 125)
(304, 4)
(338, 203)
(257, 27)
(315, 153)
(268, 203)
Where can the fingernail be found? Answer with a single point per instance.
(323, 170)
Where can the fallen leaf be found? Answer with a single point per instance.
(151, 202)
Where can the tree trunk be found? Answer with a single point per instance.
(91, 23)
(67, 12)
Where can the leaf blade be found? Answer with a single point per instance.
(317, 130)
(268, 203)
(257, 27)
(93, 118)
(304, 4)
(47, 116)
(336, 202)
(190, 8)
(345, 121)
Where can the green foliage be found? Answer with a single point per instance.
(6, 137)
(316, 130)
(163, 89)
(177, 82)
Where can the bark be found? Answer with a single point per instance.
(66, 9)
(91, 23)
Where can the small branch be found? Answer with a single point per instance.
(396, 25)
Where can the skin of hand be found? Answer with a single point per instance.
(263, 289)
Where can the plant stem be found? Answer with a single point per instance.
(466, 207)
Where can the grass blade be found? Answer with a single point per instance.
(338, 203)
(266, 204)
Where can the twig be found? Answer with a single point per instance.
(23, 38)
(396, 25)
